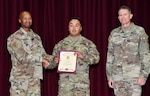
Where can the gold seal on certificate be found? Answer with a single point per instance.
(67, 62)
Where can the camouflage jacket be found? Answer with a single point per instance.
(91, 56)
(27, 54)
(128, 53)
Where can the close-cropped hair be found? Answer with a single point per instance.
(20, 15)
(76, 18)
(125, 7)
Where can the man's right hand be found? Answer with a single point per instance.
(45, 63)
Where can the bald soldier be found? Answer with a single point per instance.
(128, 56)
(27, 55)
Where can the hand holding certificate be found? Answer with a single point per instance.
(67, 63)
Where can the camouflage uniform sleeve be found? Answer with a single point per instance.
(54, 54)
(144, 55)
(51, 61)
(110, 58)
(48, 56)
(16, 49)
(55, 50)
(92, 56)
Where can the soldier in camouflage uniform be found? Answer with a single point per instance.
(77, 84)
(128, 57)
(27, 55)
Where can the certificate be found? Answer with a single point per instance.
(67, 62)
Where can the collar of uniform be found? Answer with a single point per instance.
(25, 32)
(74, 38)
(127, 29)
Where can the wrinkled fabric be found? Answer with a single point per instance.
(27, 54)
(77, 84)
(127, 87)
(128, 54)
(30, 87)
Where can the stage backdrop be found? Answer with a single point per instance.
(50, 21)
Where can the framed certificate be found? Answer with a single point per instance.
(67, 62)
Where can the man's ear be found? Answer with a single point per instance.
(81, 29)
(131, 15)
(19, 20)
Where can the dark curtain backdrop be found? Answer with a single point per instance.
(50, 21)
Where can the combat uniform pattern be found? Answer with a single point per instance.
(27, 53)
(77, 84)
(128, 58)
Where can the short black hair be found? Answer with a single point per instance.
(77, 18)
(125, 7)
